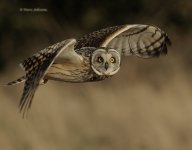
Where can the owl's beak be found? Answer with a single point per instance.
(106, 65)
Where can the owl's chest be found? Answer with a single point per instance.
(68, 72)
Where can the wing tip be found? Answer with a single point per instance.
(168, 40)
(166, 44)
(25, 105)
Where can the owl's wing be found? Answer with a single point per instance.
(37, 66)
(141, 40)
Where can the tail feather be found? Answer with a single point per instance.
(15, 82)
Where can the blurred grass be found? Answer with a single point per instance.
(146, 106)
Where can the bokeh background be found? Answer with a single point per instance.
(146, 106)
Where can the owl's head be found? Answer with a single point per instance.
(105, 61)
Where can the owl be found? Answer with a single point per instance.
(93, 57)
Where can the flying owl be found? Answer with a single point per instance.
(94, 57)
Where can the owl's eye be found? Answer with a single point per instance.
(112, 60)
(100, 59)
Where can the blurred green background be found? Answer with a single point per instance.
(146, 106)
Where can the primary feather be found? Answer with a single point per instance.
(71, 60)
(141, 40)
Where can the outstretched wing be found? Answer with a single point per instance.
(37, 66)
(141, 40)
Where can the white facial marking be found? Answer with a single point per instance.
(106, 66)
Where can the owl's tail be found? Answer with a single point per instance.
(22, 79)
(15, 82)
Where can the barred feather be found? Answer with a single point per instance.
(15, 82)
(144, 41)
(72, 59)
(36, 67)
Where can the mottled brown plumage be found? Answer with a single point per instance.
(138, 40)
(94, 57)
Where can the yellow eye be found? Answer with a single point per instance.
(112, 60)
(100, 59)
